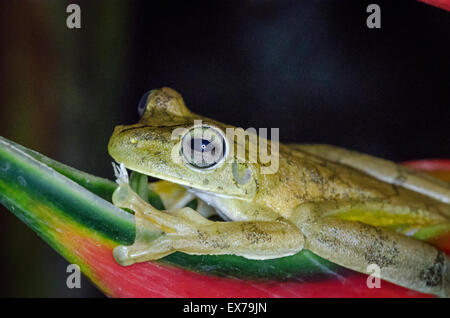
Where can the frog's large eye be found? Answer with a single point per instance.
(143, 104)
(203, 147)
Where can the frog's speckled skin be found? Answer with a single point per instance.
(329, 200)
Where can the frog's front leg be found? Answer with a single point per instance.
(402, 260)
(187, 231)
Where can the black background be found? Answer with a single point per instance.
(311, 68)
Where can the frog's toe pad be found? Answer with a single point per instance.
(124, 196)
(121, 255)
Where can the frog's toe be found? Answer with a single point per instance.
(121, 255)
(142, 251)
(123, 196)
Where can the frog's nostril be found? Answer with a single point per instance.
(143, 103)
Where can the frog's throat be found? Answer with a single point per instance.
(188, 186)
(213, 199)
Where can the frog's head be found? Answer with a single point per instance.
(172, 143)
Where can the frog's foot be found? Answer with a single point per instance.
(187, 231)
(140, 252)
(402, 260)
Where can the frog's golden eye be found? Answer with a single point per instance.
(143, 104)
(203, 147)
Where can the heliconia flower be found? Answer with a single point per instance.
(72, 212)
(443, 4)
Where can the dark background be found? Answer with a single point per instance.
(311, 68)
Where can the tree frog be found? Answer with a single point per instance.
(350, 208)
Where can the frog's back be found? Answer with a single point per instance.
(304, 178)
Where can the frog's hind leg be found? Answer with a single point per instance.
(381, 169)
(187, 231)
(402, 260)
(408, 220)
